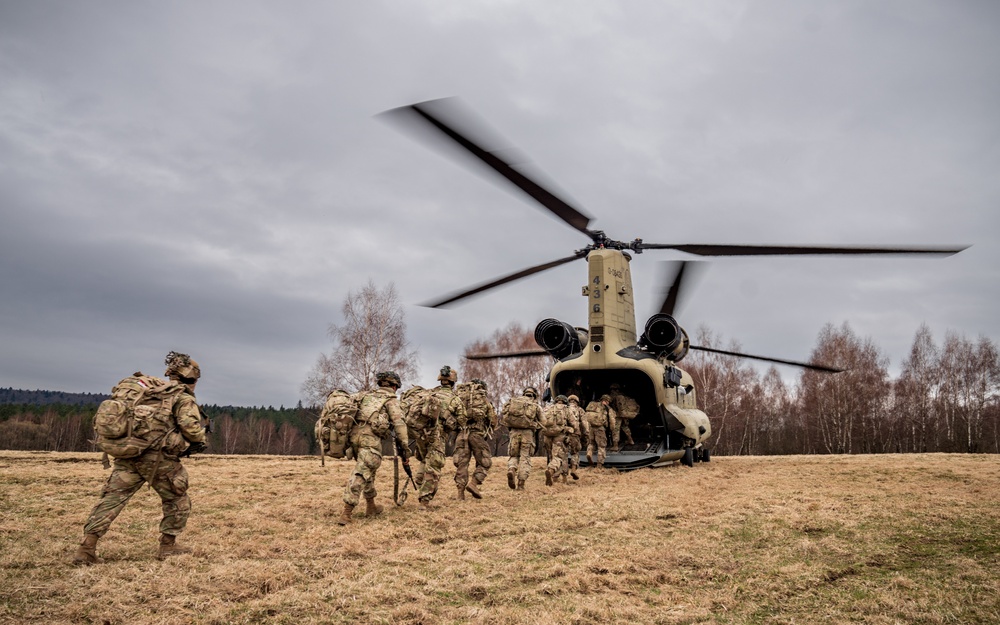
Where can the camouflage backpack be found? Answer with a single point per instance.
(626, 407)
(421, 408)
(554, 419)
(476, 403)
(137, 416)
(597, 414)
(517, 413)
(370, 412)
(335, 423)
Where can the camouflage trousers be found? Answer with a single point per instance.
(622, 425)
(362, 480)
(430, 453)
(555, 450)
(469, 445)
(128, 476)
(573, 447)
(598, 439)
(519, 449)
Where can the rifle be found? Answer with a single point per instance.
(400, 497)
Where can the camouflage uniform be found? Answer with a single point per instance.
(574, 441)
(471, 442)
(430, 444)
(379, 411)
(600, 417)
(626, 409)
(160, 466)
(555, 428)
(522, 436)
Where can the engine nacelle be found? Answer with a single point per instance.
(664, 337)
(559, 338)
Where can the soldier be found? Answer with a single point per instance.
(600, 417)
(573, 441)
(430, 442)
(471, 442)
(626, 409)
(555, 428)
(160, 465)
(522, 416)
(378, 412)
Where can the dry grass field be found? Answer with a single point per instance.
(795, 539)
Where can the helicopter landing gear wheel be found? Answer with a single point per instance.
(688, 459)
(706, 456)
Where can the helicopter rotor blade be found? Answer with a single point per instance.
(504, 280)
(804, 365)
(522, 354)
(437, 114)
(799, 250)
(674, 295)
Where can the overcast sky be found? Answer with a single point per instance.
(210, 177)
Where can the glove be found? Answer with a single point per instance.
(195, 448)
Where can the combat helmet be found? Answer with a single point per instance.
(561, 399)
(531, 392)
(479, 382)
(573, 398)
(448, 375)
(181, 366)
(388, 376)
(606, 398)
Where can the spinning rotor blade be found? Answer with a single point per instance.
(436, 114)
(526, 353)
(675, 292)
(504, 280)
(798, 250)
(804, 365)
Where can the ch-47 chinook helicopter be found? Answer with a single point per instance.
(609, 350)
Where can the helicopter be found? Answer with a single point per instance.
(610, 352)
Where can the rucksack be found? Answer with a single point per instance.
(518, 413)
(370, 412)
(597, 414)
(476, 403)
(421, 408)
(137, 416)
(626, 407)
(554, 420)
(335, 422)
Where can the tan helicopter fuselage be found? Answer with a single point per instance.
(610, 355)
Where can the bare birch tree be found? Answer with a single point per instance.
(371, 339)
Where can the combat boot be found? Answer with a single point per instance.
(574, 475)
(461, 493)
(520, 485)
(590, 460)
(471, 487)
(511, 474)
(600, 465)
(345, 516)
(86, 553)
(563, 478)
(548, 477)
(426, 506)
(169, 547)
(372, 508)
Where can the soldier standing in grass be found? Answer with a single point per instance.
(573, 441)
(522, 416)
(378, 411)
(555, 428)
(177, 431)
(600, 417)
(481, 418)
(451, 414)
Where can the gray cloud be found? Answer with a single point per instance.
(211, 177)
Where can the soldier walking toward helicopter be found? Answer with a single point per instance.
(471, 443)
(600, 417)
(522, 416)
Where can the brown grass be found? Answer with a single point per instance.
(794, 539)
